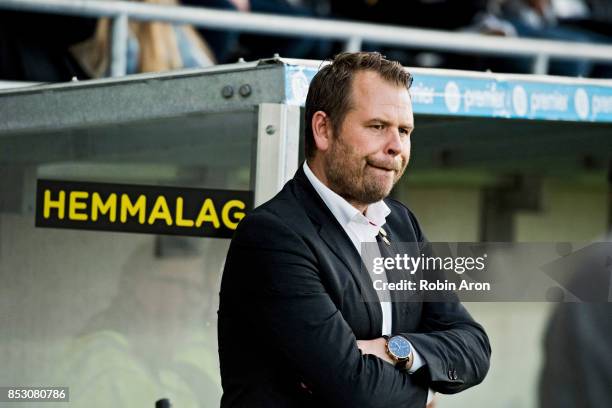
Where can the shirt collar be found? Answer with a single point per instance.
(342, 209)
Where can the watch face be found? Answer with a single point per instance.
(399, 346)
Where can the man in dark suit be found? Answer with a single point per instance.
(294, 329)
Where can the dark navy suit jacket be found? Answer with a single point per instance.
(291, 310)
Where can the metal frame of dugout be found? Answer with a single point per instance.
(466, 121)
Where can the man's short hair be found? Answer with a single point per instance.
(330, 89)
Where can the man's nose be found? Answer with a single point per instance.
(394, 143)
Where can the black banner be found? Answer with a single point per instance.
(139, 208)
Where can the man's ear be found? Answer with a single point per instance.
(321, 130)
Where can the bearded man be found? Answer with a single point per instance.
(294, 329)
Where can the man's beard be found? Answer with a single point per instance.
(347, 174)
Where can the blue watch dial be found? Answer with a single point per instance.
(399, 346)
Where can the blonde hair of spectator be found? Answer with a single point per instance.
(157, 42)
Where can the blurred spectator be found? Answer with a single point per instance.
(578, 340)
(540, 19)
(260, 46)
(34, 46)
(229, 45)
(152, 47)
(433, 14)
(578, 351)
(594, 16)
(601, 10)
(224, 43)
(151, 341)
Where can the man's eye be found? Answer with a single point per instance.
(404, 131)
(377, 127)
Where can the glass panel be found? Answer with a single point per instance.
(121, 319)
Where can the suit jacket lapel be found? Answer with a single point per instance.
(340, 244)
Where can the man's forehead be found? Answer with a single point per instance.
(369, 88)
(385, 109)
(367, 79)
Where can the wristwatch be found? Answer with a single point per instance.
(399, 349)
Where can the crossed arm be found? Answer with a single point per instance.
(294, 309)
